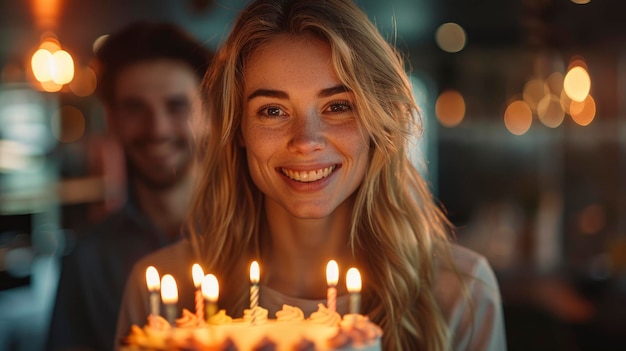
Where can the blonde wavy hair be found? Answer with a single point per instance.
(397, 231)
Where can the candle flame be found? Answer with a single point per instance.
(353, 280)
(255, 273)
(152, 279)
(210, 287)
(169, 290)
(332, 273)
(197, 273)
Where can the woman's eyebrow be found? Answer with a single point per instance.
(268, 93)
(337, 89)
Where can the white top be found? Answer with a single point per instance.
(473, 312)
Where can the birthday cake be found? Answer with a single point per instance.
(324, 330)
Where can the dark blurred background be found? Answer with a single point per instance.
(524, 142)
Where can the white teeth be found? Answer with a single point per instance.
(308, 176)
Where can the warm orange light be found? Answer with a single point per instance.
(332, 273)
(533, 92)
(584, 112)
(255, 273)
(550, 112)
(50, 86)
(49, 42)
(197, 274)
(62, 68)
(152, 279)
(46, 12)
(41, 63)
(169, 290)
(210, 288)
(56, 67)
(577, 83)
(518, 117)
(450, 108)
(353, 280)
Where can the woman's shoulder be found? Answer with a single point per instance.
(469, 297)
(466, 272)
(467, 262)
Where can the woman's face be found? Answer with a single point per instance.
(305, 150)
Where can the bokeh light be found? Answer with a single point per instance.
(554, 83)
(40, 64)
(84, 82)
(451, 37)
(62, 68)
(584, 112)
(533, 92)
(518, 117)
(50, 86)
(577, 83)
(550, 112)
(450, 108)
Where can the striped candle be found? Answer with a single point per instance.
(332, 276)
(254, 289)
(198, 274)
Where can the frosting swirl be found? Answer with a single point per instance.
(158, 323)
(220, 318)
(325, 316)
(187, 320)
(290, 313)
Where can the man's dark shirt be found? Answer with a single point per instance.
(93, 276)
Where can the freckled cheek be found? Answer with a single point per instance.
(261, 145)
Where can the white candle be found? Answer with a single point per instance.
(197, 273)
(332, 276)
(154, 285)
(211, 292)
(255, 275)
(169, 295)
(353, 283)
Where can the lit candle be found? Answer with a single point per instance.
(197, 273)
(211, 292)
(255, 275)
(169, 295)
(332, 276)
(154, 285)
(353, 282)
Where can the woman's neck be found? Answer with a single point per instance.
(300, 249)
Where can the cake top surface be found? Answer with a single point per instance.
(290, 330)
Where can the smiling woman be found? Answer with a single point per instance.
(311, 115)
(304, 147)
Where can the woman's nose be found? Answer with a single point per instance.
(307, 133)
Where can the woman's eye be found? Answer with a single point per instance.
(271, 111)
(342, 106)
